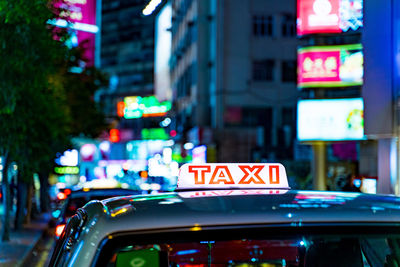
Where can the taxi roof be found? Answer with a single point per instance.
(228, 207)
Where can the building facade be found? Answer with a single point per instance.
(126, 52)
(233, 76)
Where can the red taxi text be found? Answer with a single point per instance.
(222, 174)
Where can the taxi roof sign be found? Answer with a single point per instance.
(230, 176)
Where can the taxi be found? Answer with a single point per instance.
(234, 215)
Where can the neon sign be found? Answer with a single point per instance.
(328, 16)
(154, 134)
(80, 16)
(137, 107)
(66, 170)
(330, 66)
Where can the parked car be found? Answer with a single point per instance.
(78, 198)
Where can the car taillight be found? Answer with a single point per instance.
(59, 229)
(61, 196)
(67, 191)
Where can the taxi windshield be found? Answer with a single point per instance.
(306, 250)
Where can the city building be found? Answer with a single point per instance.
(126, 52)
(233, 77)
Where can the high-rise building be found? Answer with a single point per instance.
(233, 76)
(127, 51)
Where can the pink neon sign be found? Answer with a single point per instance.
(330, 66)
(328, 16)
(82, 13)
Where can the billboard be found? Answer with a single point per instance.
(80, 17)
(330, 119)
(328, 16)
(83, 15)
(135, 107)
(330, 66)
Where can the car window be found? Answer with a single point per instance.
(296, 251)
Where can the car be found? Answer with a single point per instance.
(73, 200)
(234, 215)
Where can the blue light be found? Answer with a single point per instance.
(301, 243)
(253, 259)
(56, 213)
(76, 26)
(186, 252)
(290, 215)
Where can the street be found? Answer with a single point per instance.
(29, 246)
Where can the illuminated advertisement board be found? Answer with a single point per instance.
(66, 170)
(154, 134)
(135, 107)
(80, 17)
(328, 16)
(330, 66)
(330, 119)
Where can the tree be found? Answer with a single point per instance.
(42, 103)
(32, 106)
(86, 116)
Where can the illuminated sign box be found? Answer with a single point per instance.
(66, 170)
(328, 16)
(330, 66)
(154, 134)
(330, 119)
(135, 107)
(79, 16)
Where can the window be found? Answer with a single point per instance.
(285, 132)
(250, 248)
(263, 70)
(187, 79)
(253, 117)
(288, 25)
(263, 25)
(289, 71)
(288, 117)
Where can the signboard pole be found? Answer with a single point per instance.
(319, 165)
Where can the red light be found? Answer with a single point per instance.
(121, 108)
(172, 133)
(1, 195)
(67, 191)
(144, 174)
(312, 22)
(160, 114)
(61, 196)
(114, 135)
(59, 229)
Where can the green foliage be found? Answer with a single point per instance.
(87, 119)
(29, 56)
(42, 104)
